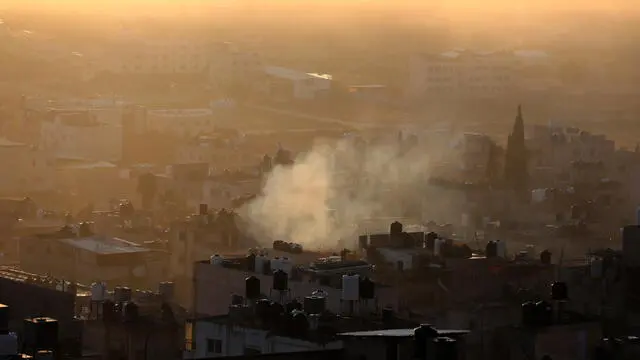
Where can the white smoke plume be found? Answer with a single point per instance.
(332, 190)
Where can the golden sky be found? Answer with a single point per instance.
(463, 6)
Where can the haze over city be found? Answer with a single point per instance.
(290, 179)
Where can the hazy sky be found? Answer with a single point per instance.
(470, 6)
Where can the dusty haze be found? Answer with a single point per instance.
(332, 190)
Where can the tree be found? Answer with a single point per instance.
(516, 157)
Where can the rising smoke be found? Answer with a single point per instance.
(331, 192)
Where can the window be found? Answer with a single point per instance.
(214, 346)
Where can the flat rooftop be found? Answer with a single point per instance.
(104, 245)
(399, 333)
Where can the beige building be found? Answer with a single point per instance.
(26, 169)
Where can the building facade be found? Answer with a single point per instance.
(461, 74)
(28, 169)
(81, 135)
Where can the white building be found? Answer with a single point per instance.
(26, 169)
(462, 73)
(288, 83)
(81, 135)
(169, 56)
(181, 122)
(217, 337)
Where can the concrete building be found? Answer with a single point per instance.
(285, 84)
(214, 285)
(81, 135)
(87, 258)
(214, 340)
(181, 122)
(166, 56)
(461, 74)
(28, 169)
(553, 150)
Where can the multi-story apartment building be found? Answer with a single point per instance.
(553, 151)
(169, 56)
(81, 135)
(28, 169)
(461, 73)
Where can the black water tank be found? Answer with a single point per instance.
(263, 306)
(421, 335)
(545, 257)
(315, 304)
(252, 288)
(40, 334)
(237, 299)
(108, 311)
(395, 228)
(367, 288)
(266, 268)
(300, 324)
(430, 240)
(388, 317)
(4, 319)
(491, 250)
(544, 313)
(363, 241)
(445, 348)
(280, 280)
(559, 291)
(276, 310)
(294, 305)
(529, 314)
(130, 312)
(251, 262)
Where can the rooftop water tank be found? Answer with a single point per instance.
(559, 291)
(367, 288)
(236, 299)
(266, 267)
(4, 319)
(286, 265)
(259, 263)
(8, 345)
(130, 312)
(528, 313)
(545, 257)
(40, 334)
(98, 290)
(275, 264)
(252, 288)
(300, 323)
(251, 262)
(350, 287)
(122, 294)
(280, 280)
(315, 304)
(438, 246)
(596, 267)
(216, 260)
(544, 313)
(395, 228)
(430, 239)
(422, 335)
(501, 249)
(263, 307)
(166, 290)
